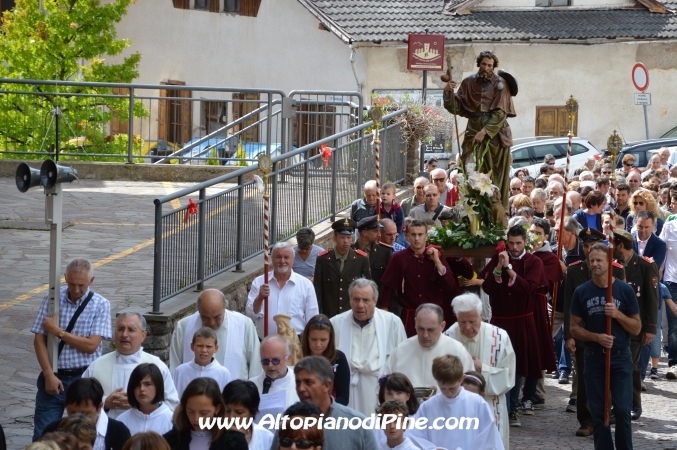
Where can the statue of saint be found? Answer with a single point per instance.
(285, 330)
(485, 99)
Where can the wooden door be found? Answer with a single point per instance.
(554, 121)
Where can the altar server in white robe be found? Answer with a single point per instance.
(149, 411)
(205, 345)
(367, 336)
(414, 357)
(457, 412)
(238, 343)
(492, 354)
(113, 369)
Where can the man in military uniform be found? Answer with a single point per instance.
(642, 275)
(335, 269)
(578, 273)
(379, 255)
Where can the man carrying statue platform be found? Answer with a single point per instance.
(485, 99)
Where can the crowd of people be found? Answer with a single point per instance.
(384, 323)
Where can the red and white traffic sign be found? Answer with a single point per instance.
(640, 77)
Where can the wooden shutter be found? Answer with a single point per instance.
(250, 8)
(241, 109)
(182, 4)
(215, 6)
(186, 116)
(118, 126)
(163, 106)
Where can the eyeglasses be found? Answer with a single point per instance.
(628, 164)
(300, 443)
(275, 361)
(419, 188)
(439, 180)
(606, 173)
(638, 203)
(632, 181)
(515, 189)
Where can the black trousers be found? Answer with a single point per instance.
(636, 350)
(582, 406)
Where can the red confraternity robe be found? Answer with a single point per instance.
(553, 273)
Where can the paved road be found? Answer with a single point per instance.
(112, 226)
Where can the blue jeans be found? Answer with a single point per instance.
(672, 327)
(561, 354)
(528, 394)
(621, 396)
(49, 408)
(652, 349)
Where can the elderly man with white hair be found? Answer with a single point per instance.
(554, 190)
(287, 292)
(654, 164)
(238, 344)
(366, 206)
(448, 192)
(664, 154)
(576, 200)
(586, 175)
(492, 354)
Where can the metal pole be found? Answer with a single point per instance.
(266, 205)
(130, 128)
(57, 132)
(646, 123)
(334, 180)
(358, 190)
(53, 217)
(269, 124)
(157, 259)
(424, 93)
(273, 206)
(240, 224)
(201, 241)
(304, 206)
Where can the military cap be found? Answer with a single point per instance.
(591, 235)
(369, 223)
(344, 226)
(624, 236)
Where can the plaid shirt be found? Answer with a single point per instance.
(94, 321)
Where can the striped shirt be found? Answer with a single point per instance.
(95, 320)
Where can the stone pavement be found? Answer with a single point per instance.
(111, 224)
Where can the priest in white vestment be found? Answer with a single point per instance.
(276, 384)
(367, 336)
(238, 343)
(114, 369)
(492, 354)
(414, 357)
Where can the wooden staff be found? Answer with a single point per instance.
(609, 297)
(447, 78)
(265, 166)
(376, 115)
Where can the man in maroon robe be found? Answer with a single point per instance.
(512, 278)
(419, 274)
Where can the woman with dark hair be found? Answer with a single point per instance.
(202, 401)
(397, 386)
(319, 339)
(146, 395)
(242, 401)
(591, 215)
(311, 438)
(149, 440)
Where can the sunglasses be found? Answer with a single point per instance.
(439, 180)
(418, 188)
(606, 173)
(515, 189)
(638, 203)
(275, 361)
(628, 164)
(300, 443)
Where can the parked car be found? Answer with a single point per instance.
(670, 134)
(643, 150)
(528, 153)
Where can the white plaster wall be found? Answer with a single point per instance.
(598, 76)
(282, 48)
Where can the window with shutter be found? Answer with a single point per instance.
(181, 4)
(118, 126)
(312, 123)
(202, 4)
(214, 115)
(240, 109)
(249, 8)
(174, 115)
(554, 121)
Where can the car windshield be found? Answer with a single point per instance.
(670, 134)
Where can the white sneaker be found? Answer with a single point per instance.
(672, 373)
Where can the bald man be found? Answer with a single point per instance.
(448, 192)
(238, 342)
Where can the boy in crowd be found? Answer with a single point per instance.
(394, 431)
(204, 345)
(390, 206)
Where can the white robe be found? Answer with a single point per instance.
(189, 371)
(113, 371)
(465, 405)
(416, 362)
(250, 363)
(159, 420)
(262, 438)
(367, 350)
(492, 346)
(406, 445)
(286, 384)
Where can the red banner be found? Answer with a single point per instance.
(426, 52)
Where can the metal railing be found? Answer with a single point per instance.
(227, 228)
(165, 123)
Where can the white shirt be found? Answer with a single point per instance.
(262, 438)
(297, 299)
(189, 371)
(200, 440)
(101, 430)
(641, 246)
(669, 235)
(159, 420)
(286, 383)
(406, 445)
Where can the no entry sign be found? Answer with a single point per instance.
(426, 52)
(640, 77)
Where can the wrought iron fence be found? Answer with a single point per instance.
(227, 227)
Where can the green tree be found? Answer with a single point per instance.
(64, 40)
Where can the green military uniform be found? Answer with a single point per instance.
(378, 254)
(331, 280)
(642, 276)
